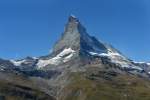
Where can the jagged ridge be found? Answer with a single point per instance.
(80, 57)
(76, 37)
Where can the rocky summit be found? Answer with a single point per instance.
(80, 67)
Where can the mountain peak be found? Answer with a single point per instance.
(71, 35)
(72, 18)
(76, 37)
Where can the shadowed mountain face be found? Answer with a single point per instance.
(76, 37)
(79, 68)
(76, 44)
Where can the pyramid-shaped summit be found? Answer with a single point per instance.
(76, 37)
(67, 74)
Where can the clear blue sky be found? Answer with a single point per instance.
(31, 27)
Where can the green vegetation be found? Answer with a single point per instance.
(120, 87)
(9, 91)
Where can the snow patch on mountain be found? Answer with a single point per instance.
(17, 63)
(63, 56)
(141, 63)
(26, 61)
(109, 54)
(117, 59)
(148, 64)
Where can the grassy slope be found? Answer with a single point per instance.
(16, 92)
(17, 87)
(120, 87)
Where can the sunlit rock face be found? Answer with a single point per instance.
(76, 37)
(78, 68)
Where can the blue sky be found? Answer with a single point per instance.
(31, 27)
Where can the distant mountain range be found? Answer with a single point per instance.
(80, 67)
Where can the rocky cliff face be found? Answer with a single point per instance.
(77, 43)
(79, 68)
(76, 37)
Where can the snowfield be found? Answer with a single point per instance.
(63, 56)
(117, 59)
